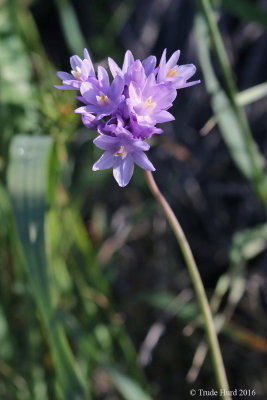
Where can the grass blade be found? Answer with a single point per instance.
(27, 178)
(243, 98)
(70, 26)
(252, 94)
(128, 388)
(233, 125)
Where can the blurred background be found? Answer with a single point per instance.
(95, 299)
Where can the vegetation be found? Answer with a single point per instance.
(95, 299)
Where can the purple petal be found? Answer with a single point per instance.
(85, 68)
(163, 58)
(88, 58)
(163, 95)
(123, 170)
(128, 60)
(149, 83)
(190, 84)
(141, 159)
(73, 82)
(164, 116)
(86, 54)
(114, 68)
(81, 110)
(186, 71)
(149, 64)
(89, 121)
(173, 60)
(92, 108)
(64, 87)
(103, 77)
(137, 73)
(89, 92)
(75, 61)
(158, 131)
(141, 145)
(134, 97)
(64, 75)
(105, 142)
(95, 109)
(80, 98)
(106, 161)
(162, 72)
(116, 88)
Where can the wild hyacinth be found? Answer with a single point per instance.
(125, 114)
(126, 111)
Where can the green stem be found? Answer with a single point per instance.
(197, 282)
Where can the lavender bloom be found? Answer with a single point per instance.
(121, 152)
(131, 68)
(116, 70)
(101, 97)
(175, 75)
(81, 71)
(150, 103)
(125, 113)
(89, 120)
(141, 131)
(149, 64)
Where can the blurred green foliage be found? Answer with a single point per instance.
(62, 332)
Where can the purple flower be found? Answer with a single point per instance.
(149, 65)
(141, 131)
(121, 152)
(175, 75)
(81, 71)
(101, 97)
(89, 120)
(125, 113)
(132, 70)
(150, 103)
(136, 74)
(116, 70)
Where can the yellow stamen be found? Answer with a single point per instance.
(149, 104)
(121, 152)
(172, 72)
(78, 75)
(102, 99)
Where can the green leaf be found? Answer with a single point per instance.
(70, 25)
(248, 243)
(128, 388)
(27, 184)
(242, 147)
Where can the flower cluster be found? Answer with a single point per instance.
(125, 112)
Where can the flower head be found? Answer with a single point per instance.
(121, 152)
(100, 97)
(170, 73)
(126, 111)
(150, 102)
(81, 71)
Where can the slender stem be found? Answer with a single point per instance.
(198, 285)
